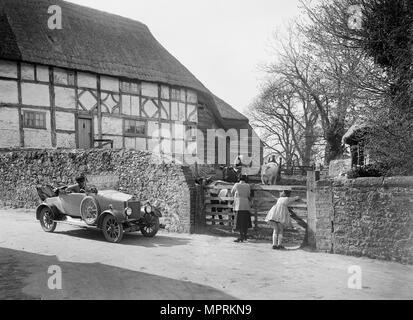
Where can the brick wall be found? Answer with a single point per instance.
(139, 173)
(369, 217)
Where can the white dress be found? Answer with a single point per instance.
(279, 212)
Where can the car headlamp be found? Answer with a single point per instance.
(128, 211)
(148, 208)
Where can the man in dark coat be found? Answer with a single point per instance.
(80, 187)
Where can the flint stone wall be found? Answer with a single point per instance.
(369, 217)
(139, 173)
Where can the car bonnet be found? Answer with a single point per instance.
(113, 195)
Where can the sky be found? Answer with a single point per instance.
(222, 42)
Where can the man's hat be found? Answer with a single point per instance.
(81, 178)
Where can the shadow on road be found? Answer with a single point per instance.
(25, 276)
(129, 239)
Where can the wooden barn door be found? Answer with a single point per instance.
(85, 133)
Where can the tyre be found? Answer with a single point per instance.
(112, 229)
(46, 220)
(151, 228)
(89, 210)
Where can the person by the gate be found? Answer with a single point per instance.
(279, 218)
(242, 208)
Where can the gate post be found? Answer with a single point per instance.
(312, 177)
(200, 218)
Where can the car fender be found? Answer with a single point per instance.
(55, 211)
(119, 216)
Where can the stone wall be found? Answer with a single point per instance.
(139, 173)
(369, 217)
(324, 212)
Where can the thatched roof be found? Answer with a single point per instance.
(228, 112)
(355, 133)
(91, 40)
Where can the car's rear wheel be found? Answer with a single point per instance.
(46, 220)
(151, 227)
(89, 210)
(112, 229)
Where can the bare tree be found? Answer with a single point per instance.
(288, 121)
(345, 72)
(383, 34)
(325, 76)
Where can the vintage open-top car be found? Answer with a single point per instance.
(111, 211)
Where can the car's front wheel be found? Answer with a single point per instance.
(151, 227)
(112, 229)
(46, 220)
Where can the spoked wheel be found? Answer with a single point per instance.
(89, 210)
(46, 220)
(112, 229)
(151, 227)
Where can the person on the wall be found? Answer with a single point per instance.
(242, 208)
(279, 217)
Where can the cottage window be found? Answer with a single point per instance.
(64, 77)
(135, 127)
(71, 78)
(129, 87)
(358, 155)
(361, 155)
(34, 120)
(175, 94)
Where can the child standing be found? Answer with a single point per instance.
(279, 217)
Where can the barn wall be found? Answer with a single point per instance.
(205, 121)
(238, 138)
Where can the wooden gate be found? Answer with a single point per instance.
(218, 205)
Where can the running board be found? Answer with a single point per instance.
(74, 222)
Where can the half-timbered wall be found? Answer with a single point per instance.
(163, 118)
(42, 107)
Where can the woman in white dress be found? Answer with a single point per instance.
(279, 218)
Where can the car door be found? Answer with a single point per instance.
(71, 203)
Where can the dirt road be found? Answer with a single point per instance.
(178, 266)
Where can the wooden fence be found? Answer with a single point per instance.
(295, 170)
(218, 204)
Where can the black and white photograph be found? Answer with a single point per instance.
(216, 152)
